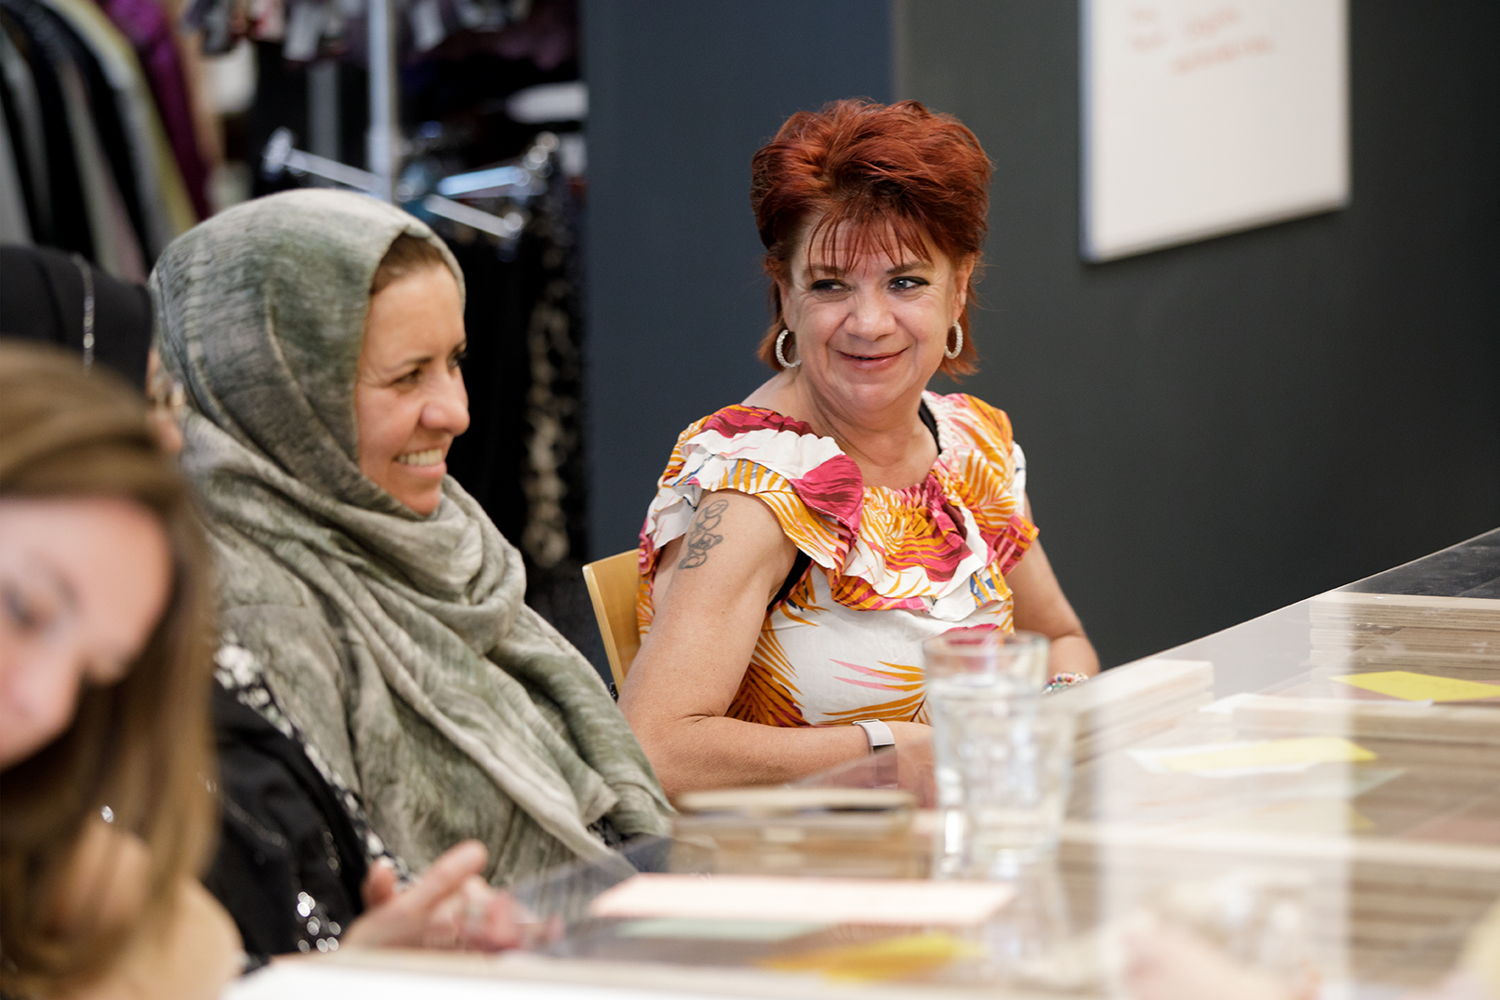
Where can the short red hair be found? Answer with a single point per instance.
(870, 174)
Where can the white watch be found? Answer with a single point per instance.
(877, 732)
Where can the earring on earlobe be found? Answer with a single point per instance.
(781, 353)
(958, 342)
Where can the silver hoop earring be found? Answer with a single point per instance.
(781, 353)
(958, 343)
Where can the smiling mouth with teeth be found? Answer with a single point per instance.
(432, 456)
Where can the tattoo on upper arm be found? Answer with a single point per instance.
(700, 537)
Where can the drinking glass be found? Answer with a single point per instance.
(1003, 757)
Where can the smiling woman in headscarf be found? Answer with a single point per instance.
(318, 336)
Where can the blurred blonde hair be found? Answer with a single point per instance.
(142, 747)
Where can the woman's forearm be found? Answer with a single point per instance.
(701, 752)
(1072, 654)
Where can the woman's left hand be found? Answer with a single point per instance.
(449, 907)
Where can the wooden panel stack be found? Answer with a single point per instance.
(1459, 636)
(1122, 707)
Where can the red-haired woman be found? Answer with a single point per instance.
(802, 543)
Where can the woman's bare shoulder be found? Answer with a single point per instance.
(192, 950)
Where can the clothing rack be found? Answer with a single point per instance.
(521, 459)
(515, 183)
(383, 152)
(99, 150)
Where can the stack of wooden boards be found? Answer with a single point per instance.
(1446, 648)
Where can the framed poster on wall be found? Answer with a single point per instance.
(1203, 117)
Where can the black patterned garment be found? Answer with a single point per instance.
(295, 845)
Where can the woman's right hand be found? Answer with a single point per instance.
(450, 906)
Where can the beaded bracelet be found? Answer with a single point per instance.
(1060, 681)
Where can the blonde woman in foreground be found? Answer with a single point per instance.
(106, 636)
(104, 685)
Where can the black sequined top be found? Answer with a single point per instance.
(295, 845)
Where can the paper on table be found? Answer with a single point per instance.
(1300, 816)
(1227, 704)
(294, 980)
(1264, 755)
(905, 902)
(1411, 686)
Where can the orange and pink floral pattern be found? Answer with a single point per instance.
(889, 567)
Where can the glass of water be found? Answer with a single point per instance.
(1003, 756)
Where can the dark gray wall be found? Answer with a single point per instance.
(681, 93)
(1213, 431)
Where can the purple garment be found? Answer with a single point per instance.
(150, 33)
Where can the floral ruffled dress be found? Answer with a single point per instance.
(885, 568)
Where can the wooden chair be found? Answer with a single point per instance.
(612, 586)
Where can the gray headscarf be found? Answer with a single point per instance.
(398, 643)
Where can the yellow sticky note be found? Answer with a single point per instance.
(1419, 687)
(887, 959)
(1270, 753)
